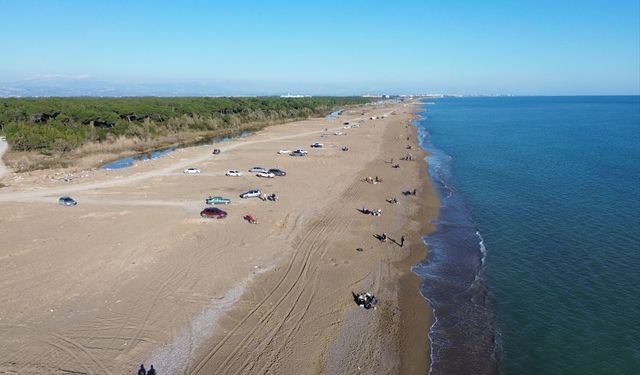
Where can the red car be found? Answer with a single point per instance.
(214, 212)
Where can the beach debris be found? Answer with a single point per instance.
(366, 300)
(272, 197)
(359, 249)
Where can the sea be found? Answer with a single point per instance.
(534, 266)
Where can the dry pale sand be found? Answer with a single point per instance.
(133, 275)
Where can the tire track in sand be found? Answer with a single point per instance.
(302, 272)
(243, 321)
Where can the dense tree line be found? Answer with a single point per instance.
(63, 124)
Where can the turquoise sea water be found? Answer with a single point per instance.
(535, 267)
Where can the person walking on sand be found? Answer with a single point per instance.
(402, 241)
(142, 370)
(384, 237)
(151, 371)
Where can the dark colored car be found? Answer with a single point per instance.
(278, 172)
(213, 212)
(67, 201)
(216, 151)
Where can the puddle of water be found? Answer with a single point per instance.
(334, 114)
(129, 161)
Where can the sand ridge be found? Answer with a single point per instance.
(133, 274)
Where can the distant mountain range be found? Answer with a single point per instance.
(85, 86)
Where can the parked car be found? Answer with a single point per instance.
(277, 172)
(338, 133)
(216, 151)
(265, 174)
(233, 173)
(257, 169)
(217, 200)
(192, 171)
(356, 125)
(254, 193)
(299, 152)
(213, 212)
(317, 145)
(284, 151)
(67, 201)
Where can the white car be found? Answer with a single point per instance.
(233, 173)
(192, 171)
(338, 133)
(284, 151)
(266, 174)
(257, 169)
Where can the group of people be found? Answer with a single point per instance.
(374, 212)
(372, 180)
(271, 197)
(409, 157)
(143, 371)
(366, 300)
(410, 192)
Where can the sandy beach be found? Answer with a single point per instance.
(133, 274)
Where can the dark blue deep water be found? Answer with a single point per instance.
(535, 264)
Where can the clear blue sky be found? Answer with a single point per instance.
(522, 47)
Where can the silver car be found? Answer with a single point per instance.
(257, 170)
(251, 194)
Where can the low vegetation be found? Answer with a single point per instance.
(62, 125)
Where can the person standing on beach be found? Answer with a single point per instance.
(142, 370)
(402, 241)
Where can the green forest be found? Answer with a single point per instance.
(64, 124)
